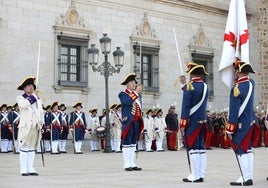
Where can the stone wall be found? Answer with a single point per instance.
(25, 22)
(263, 52)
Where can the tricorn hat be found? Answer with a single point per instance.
(129, 78)
(63, 105)
(78, 104)
(3, 105)
(27, 81)
(93, 110)
(148, 111)
(15, 105)
(47, 107)
(54, 104)
(113, 106)
(241, 66)
(117, 106)
(158, 110)
(195, 69)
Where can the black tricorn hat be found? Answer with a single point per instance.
(129, 78)
(3, 105)
(241, 66)
(15, 105)
(47, 107)
(63, 105)
(54, 104)
(27, 81)
(195, 69)
(78, 104)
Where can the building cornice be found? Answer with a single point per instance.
(196, 6)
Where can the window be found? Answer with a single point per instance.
(207, 61)
(146, 67)
(72, 62)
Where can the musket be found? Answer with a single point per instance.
(13, 132)
(73, 132)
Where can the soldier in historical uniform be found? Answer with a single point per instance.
(5, 128)
(31, 120)
(14, 119)
(223, 136)
(93, 124)
(241, 119)
(55, 127)
(159, 130)
(78, 125)
(64, 129)
(172, 129)
(208, 130)
(112, 128)
(193, 121)
(132, 122)
(46, 135)
(117, 124)
(148, 130)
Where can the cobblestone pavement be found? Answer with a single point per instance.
(98, 169)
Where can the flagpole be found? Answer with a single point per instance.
(140, 60)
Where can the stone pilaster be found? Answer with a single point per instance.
(263, 52)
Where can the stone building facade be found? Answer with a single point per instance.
(66, 28)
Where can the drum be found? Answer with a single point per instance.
(101, 132)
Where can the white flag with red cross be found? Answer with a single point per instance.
(236, 41)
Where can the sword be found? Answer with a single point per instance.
(42, 153)
(233, 147)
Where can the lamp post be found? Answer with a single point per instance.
(106, 69)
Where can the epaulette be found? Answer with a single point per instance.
(189, 86)
(236, 91)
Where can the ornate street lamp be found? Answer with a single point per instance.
(106, 69)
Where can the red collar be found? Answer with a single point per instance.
(242, 79)
(196, 79)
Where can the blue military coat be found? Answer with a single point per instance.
(241, 125)
(192, 95)
(128, 111)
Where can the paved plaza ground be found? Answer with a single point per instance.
(105, 170)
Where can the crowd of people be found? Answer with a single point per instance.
(59, 126)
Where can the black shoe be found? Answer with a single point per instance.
(267, 178)
(118, 152)
(128, 169)
(186, 180)
(63, 151)
(136, 168)
(33, 174)
(25, 174)
(246, 183)
(79, 152)
(199, 180)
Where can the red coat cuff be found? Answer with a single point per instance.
(183, 123)
(231, 127)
